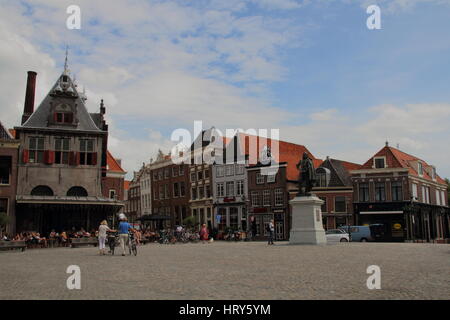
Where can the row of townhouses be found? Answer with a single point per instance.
(56, 173)
(401, 194)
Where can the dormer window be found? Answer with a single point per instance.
(379, 163)
(64, 117)
(433, 173)
(420, 168)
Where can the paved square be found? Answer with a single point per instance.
(223, 270)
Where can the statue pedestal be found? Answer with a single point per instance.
(307, 225)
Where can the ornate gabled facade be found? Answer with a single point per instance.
(403, 195)
(63, 161)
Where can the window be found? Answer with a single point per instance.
(206, 174)
(380, 191)
(255, 199)
(176, 190)
(62, 150)
(208, 191)
(112, 194)
(229, 169)
(234, 220)
(420, 168)
(193, 176)
(266, 198)
(174, 171)
(279, 197)
(219, 171)
(443, 198)
(397, 191)
(166, 173)
(3, 205)
(339, 204)
(166, 191)
(200, 175)
(230, 188)
(87, 152)
(322, 179)
(201, 192)
(220, 190)
(363, 192)
(77, 192)
(160, 175)
(415, 192)
(433, 173)
(36, 150)
(63, 117)
(181, 170)
(194, 193)
(240, 187)
(271, 178)
(155, 176)
(156, 193)
(161, 192)
(324, 205)
(438, 199)
(5, 169)
(259, 178)
(240, 169)
(182, 189)
(379, 163)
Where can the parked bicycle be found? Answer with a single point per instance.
(112, 241)
(132, 246)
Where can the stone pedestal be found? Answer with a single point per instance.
(307, 225)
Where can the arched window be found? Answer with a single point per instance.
(77, 192)
(42, 191)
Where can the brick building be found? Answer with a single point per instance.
(271, 187)
(335, 188)
(9, 153)
(170, 185)
(113, 183)
(133, 203)
(404, 195)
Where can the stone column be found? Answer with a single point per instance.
(307, 225)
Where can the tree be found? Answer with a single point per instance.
(189, 221)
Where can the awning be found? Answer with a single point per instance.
(67, 200)
(381, 212)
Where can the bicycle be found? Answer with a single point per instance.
(132, 247)
(112, 241)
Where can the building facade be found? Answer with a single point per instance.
(335, 188)
(62, 161)
(9, 153)
(403, 196)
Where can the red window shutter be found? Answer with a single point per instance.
(51, 157)
(46, 157)
(25, 155)
(77, 159)
(94, 159)
(55, 117)
(72, 158)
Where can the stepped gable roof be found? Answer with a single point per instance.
(56, 96)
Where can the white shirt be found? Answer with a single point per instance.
(102, 230)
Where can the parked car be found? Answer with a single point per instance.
(337, 235)
(359, 233)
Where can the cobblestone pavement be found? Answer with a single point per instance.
(223, 270)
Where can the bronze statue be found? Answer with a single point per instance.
(307, 176)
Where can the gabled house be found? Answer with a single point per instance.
(403, 195)
(335, 188)
(62, 161)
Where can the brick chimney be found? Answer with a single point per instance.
(28, 107)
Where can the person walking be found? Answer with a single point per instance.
(124, 228)
(102, 230)
(204, 234)
(271, 230)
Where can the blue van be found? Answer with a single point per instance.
(359, 233)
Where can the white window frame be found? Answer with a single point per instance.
(220, 189)
(230, 188)
(240, 187)
(279, 200)
(271, 178)
(377, 158)
(220, 171)
(255, 199)
(229, 170)
(260, 178)
(267, 201)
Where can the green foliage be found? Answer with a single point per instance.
(189, 221)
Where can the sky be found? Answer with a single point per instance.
(310, 68)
